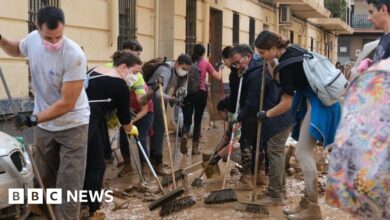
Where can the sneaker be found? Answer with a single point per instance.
(245, 183)
(183, 144)
(269, 200)
(195, 148)
(126, 170)
(311, 211)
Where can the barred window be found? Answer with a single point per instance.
(127, 23)
(33, 8)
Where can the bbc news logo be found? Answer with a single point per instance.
(54, 196)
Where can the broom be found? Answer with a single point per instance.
(167, 181)
(198, 181)
(28, 148)
(252, 207)
(167, 196)
(177, 205)
(226, 195)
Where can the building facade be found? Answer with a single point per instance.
(350, 46)
(169, 28)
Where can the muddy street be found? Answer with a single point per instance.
(135, 203)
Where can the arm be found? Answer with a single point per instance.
(10, 47)
(217, 75)
(142, 113)
(252, 101)
(165, 74)
(283, 106)
(70, 92)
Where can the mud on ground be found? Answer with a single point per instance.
(135, 199)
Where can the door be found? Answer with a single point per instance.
(214, 50)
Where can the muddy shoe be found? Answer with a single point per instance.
(245, 183)
(183, 144)
(161, 170)
(98, 215)
(126, 170)
(195, 148)
(262, 179)
(145, 171)
(311, 212)
(303, 204)
(269, 200)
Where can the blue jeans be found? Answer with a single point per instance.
(143, 125)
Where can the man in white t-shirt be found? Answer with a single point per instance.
(61, 111)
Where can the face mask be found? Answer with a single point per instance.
(53, 47)
(180, 72)
(131, 79)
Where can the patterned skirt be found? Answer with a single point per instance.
(359, 164)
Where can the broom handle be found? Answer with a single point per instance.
(135, 161)
(167, 135)
(28, 149)
(259, 131)
(230, 146)
(149, 164)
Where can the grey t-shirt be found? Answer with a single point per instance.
(48, 72)
(383, 49)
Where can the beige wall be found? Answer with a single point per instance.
(97, 30)
(13, 26)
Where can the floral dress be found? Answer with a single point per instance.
(359, 164)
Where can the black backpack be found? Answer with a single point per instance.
(193, 79)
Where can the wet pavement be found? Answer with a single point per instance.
(137, 207)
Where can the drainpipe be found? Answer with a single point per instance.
(113, 23)
(156, 25)
(277, 18)
(206, 23)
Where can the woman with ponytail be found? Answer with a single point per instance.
(107, 90)
(314, 121)
(195, 104)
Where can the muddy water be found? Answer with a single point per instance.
(136, 209)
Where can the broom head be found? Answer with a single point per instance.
(221, 196)
(177, 205)
(166, 198)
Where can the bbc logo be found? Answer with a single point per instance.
(34, 196)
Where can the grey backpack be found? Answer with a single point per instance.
(327, 82)
(193, 79)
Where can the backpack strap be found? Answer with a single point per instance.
(287, 62)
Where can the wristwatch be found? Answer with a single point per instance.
(33, 120)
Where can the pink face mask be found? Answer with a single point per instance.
(53, 47)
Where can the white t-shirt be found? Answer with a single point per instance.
(48, 71)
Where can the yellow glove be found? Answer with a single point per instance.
(134, 131)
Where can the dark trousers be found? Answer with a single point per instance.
(194, 105)
(98, 144)
(157, 139)
(247, 143)
(143, 125)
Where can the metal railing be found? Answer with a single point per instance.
(361, 21)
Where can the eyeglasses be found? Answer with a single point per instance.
(237, 63)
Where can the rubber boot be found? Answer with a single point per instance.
(262, 179)
(126, 170)
(195, 148)
(183, 144)
(303, 203)
(311, 211)
(245, 183)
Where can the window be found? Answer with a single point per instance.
(311, 44)
(127, 23)
(252, 32)
(236, 28)
(344, 47)
(291, 37)
(33, 8)
(190, 25)
(300, 40)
